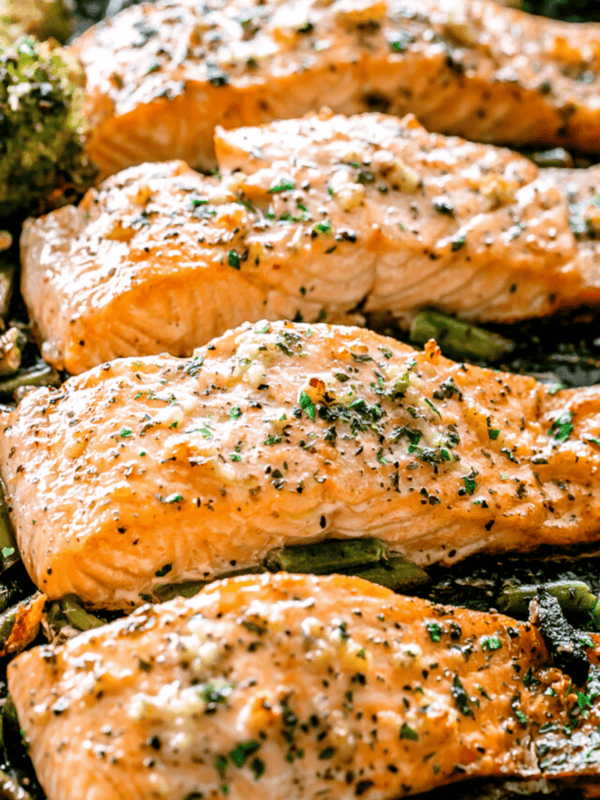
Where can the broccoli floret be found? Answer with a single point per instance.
(40, 18)
(570, 10)
(43, 164)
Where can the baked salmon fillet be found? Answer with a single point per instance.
(310, 219)
(286, 687)
(154, 471)
(161, 76)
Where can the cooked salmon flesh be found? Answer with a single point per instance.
(296, 687)
(161, 77)
(154, 471)
(310, 219)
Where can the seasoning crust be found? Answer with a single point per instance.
(288, 686)
(161, 77)
(310, 220)
(152, 471)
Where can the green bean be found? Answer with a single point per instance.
(77, 616)
(572, 596)
(9, 553)
(459, 338)
(596, 614)
(322, 558)
(185, 589)
(557, 157)
(40, 375)
(396, 572)
(69, 611)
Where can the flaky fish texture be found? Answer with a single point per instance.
(161, 76)
(287, 687)
(309, 220)
(154, 471)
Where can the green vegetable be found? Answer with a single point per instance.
(8, 544)
(395, 572)
(572, 596)
(570, 10)
(557, 157)
(331, 556)
(42, 160)
(365, 558)
(185, 589)
(40, 375)
(458, 338)
(40, 18)
(69, 611)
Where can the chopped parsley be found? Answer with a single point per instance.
(283, 186)
(307, 405)
(434, 631)
(490, 643)
(406, 732)
(562, 427)
(461, 698)
(470, 484)
(243, 751)
(323, 227)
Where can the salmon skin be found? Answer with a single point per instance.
(155, 471)
(289, 686)
(310, 219)
(160, 77)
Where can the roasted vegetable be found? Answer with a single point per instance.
(20, 624)
(395, 572)
(566, 645)
(42, 160)
(325, 557)
(570, 10)
(39, 375)
(457, 338)
(70, 612)
(9, 554)
(572, 596)
(40, 18)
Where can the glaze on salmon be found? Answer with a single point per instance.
(288, 686)
(161, 77)
(154, 471)
(310, 220)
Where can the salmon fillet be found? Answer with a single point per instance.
(161, 77)
(289, 686)
(311, 219)
(155, 471)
